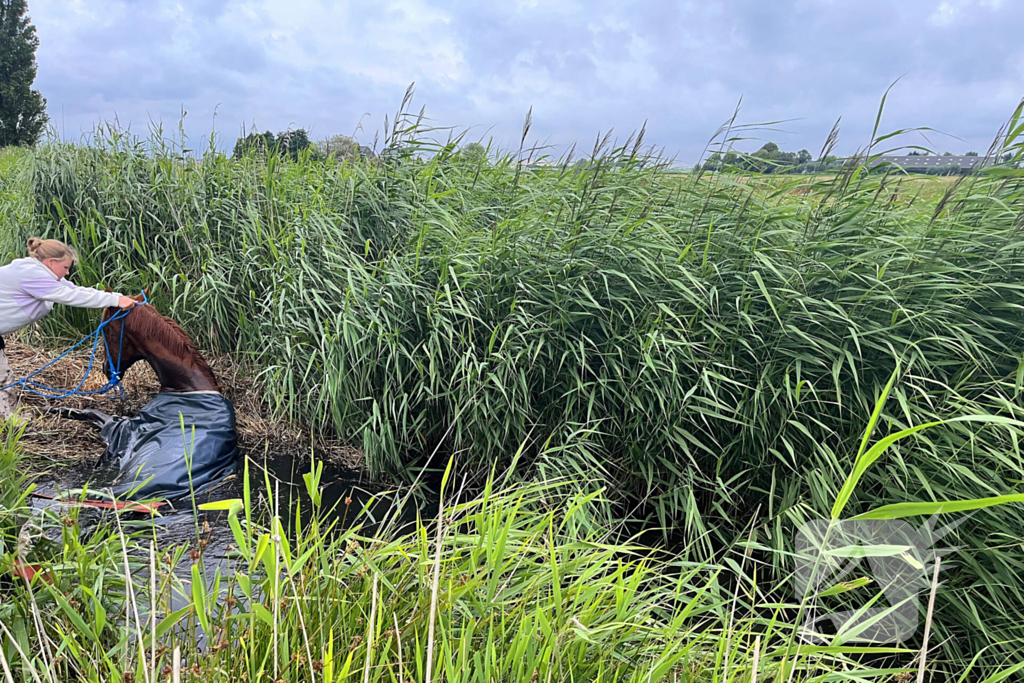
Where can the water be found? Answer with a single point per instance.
(347, 498)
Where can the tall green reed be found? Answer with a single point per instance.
(706, 348)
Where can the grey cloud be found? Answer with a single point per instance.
(682, 66)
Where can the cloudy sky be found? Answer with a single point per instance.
(584, 66)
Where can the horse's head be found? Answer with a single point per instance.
(141, 333)
(123, 348)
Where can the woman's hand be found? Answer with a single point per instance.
(126, 302)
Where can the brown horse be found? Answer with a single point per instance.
(162, 343)
(184, 439)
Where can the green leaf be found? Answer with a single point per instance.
(199, 598)
(343, 674)
(100, 615)
(264, 614)
(865, 460)
(245, 584)
(329, 659)
(241, 541)
(71, 612)
(845, 586)
(851, 482)
(901, 510)
(1004, 674)
(767, 296)
(229, 504)
(170, 620)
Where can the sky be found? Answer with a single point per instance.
(583, 67)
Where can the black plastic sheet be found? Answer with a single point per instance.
(150, 449)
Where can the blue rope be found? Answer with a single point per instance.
(114, 382)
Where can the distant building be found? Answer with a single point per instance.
(910, 162)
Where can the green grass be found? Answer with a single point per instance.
(706, 350)
(922, 191)
(515, 585)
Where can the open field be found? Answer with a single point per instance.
(920, 190)
(700, 356)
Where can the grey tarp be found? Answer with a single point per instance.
(151, 446)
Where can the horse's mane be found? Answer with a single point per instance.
(147, 323)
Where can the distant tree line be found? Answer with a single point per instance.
(770, 159)
(292, 144)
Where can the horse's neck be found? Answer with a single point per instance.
(183, 376)
(177, 364)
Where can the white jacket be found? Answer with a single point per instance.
(28, 291)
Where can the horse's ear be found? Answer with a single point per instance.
(107, 289)
(140, 297)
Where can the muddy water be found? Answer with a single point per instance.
(347, 498)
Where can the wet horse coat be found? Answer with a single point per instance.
(184, 439)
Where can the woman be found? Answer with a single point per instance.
(29, 287)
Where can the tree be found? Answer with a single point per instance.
(713, 163)
(770, 159)
(971, 154)
(916, 153)
(339, 148)
(22, 109)
(947, 154)
(759, 161)
(474, 151)
(258, 143)
(291, 143)
(288, 144)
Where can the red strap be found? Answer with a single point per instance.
(122, 505)
(29, 571)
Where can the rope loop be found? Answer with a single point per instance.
(114, 382)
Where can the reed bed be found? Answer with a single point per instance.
(704, 349)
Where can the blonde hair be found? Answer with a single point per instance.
(41, 249)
